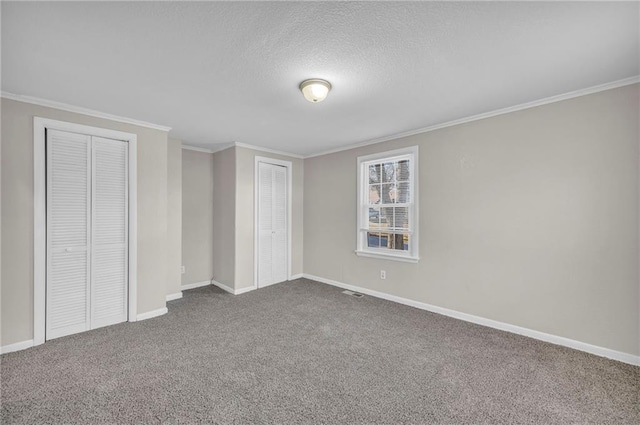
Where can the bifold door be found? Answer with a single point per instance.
(272, 224)
(87, 233)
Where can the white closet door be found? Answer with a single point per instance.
(272, 224)
(265, 210)
(68, 233)
(109, 242)
(279, 225)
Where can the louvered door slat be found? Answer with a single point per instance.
(109, 232)
(68, 234)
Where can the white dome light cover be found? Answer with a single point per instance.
(315, 90)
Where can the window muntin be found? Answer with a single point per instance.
(387, 204)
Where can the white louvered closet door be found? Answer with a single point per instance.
(68, 233)
(279, 225)
(109, 241)
(87, 233)
(272, 224)
(265, 196)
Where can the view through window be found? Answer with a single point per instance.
(387, 210)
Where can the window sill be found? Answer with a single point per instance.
(401, 258)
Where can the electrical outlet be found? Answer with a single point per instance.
(183, 269)
(383, 274)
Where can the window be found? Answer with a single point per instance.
(388, 205)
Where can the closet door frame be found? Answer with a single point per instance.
(256, 184)
(40, 125)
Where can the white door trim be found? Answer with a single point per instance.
(40, 214)
(289, 166)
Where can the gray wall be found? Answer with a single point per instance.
(224, 195)
(174, 215)
(529, 218)
(245, 196)
(17, 213)
(1, 211)
(197, 216)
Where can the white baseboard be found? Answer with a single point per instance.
(554, 339)
(153, 313)
(296, 276)
(175, 296)
(231, 290)
(222, 286)
(244, 290)
(195, 285)
(16, 347)
(28, 344)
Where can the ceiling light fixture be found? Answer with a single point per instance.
(315, 90)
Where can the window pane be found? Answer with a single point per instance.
(403, 193)
(400, 218)
(398, 241)
(376, 240)
(386, 216)
(402, 170)
(374, 218)
(389, 172)
(374, 173)
(389, 193)
(374, 193)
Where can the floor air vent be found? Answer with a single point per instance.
(353, 294)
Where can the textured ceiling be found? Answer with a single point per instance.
(229, 72)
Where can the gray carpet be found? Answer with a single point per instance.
(302, 352)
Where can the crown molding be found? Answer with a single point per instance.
(196, 149)
(267, 150)
(80, 110)
(223, 147)
(503, 111)
(243, 145)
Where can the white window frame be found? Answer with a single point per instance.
(362, 250)
(40, 125)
